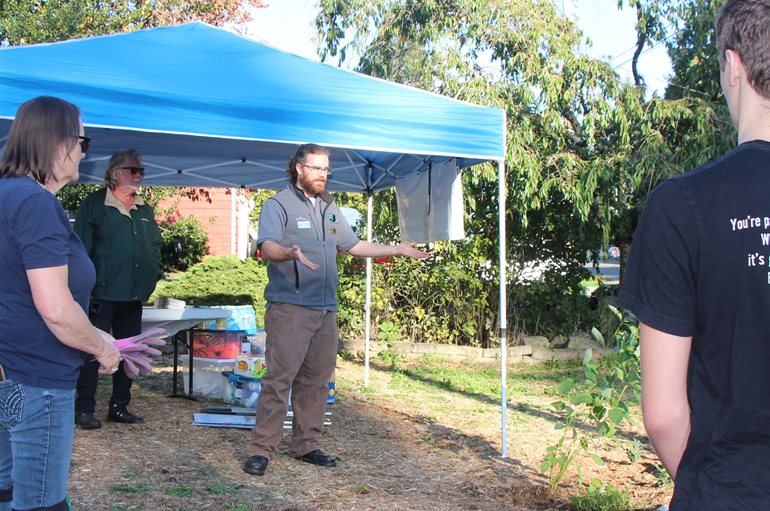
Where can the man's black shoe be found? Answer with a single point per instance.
(316, 457)
(86, 420)
(255, 465)
(122, 415)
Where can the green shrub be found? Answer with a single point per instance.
(550, 307)
(453, 297)
(351, 297)
(393, 359)
(71, 197)
(220, 280)
(185, 242)
(440, 299)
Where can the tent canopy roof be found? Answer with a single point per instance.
(207, 107)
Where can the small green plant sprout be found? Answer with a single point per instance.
(346, 354)
(662, 476)
(391, 358)
(130, 488)
(362, 489)
(634, 450)
(595, 407)
(181, 491)
(560, 456)
(219, 488)
(602, 497)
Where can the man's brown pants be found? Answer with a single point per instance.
(301, 353)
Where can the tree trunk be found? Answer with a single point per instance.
(641, 40)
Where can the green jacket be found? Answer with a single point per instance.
(124, 246)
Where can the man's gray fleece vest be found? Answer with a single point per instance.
(292, 282)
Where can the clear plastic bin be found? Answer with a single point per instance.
(242, 390)
(207, 375)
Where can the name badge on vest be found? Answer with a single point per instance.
(303, 223)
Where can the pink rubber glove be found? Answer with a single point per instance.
(136, 351)
(135, 362)
(151, 337)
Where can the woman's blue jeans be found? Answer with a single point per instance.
(36, 435)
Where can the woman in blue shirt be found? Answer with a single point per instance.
(46, 335)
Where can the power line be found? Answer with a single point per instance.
(646, 50)
(568, 9)
(602, 12)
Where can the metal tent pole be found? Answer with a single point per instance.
(368, 306)
(503, 305)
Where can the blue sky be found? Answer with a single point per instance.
(287, 24)
(613, 36)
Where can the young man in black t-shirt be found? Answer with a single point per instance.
(698, 279)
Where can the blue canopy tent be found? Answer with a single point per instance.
(206, 107)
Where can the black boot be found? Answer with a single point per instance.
(86, 420)
(255, 465)
(119, 413)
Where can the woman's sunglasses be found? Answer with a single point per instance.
(84, 142)
(134, 170)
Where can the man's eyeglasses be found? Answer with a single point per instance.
(325, 170)
(134, 170)
(84, 142)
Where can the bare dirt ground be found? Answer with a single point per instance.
(430, 450)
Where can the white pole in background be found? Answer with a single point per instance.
(503, 305)
(368, 306)
(233, 222)
(503, 308)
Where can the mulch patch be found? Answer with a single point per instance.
(393, 454)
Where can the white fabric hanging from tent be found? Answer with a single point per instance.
(430, 204)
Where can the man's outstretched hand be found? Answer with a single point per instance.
(299, 256)
(408, 250)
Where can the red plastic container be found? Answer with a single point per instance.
(217, 343)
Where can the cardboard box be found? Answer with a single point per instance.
(250, 366)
